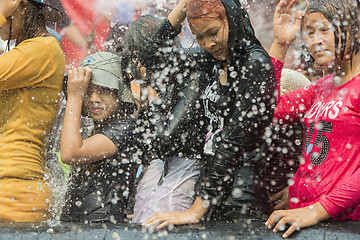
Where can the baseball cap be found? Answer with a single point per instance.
(106, 72)
(50, 13)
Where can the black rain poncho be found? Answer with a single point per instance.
(236, 115)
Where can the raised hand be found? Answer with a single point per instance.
(178, 14)
(78, 81)
(285, 29)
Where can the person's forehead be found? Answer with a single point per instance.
(98, 88)
(315, 19)
(201, 25)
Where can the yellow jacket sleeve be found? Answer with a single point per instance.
(26, 64)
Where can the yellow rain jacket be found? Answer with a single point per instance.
(31, 75)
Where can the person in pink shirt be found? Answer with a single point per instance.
(327, 183)
(86, 33)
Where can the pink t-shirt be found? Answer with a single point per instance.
(329, 172)
(88, 19)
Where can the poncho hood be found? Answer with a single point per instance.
(242, 39)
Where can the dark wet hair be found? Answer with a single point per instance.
(135, 39)
(344, 16)
(198, 9)
(33, 22)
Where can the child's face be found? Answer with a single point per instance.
(212, 35)
(101, 103)
(319, 38)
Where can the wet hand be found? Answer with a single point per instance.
(78, 81)
(296, 218)
(281, 199)
(284, 28)
(160, 220)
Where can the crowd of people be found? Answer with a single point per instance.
(176, 134)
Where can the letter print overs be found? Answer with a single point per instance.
(330, 159)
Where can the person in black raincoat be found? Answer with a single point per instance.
(237, 83)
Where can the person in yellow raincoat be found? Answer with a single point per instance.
(31, 76)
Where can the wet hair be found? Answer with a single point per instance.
(344, 16)
(198, 9)
(33, 22)
(136, 37)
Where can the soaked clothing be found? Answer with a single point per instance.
(284, 158)
(175, 193)
(30, 80)
(235, 115)
(169, 184)
(99, 191)
(330, 171)
(176, 121)
(286, 138)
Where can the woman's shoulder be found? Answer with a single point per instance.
(46, 46)
(253, 56)
(42, 40)
(122, 132)
(256, 60)
(120, 124)
(259, 55)
(42, 44)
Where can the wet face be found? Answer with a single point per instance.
(101, 103)
(319, 38)
(212, 34)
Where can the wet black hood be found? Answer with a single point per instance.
(242, 39)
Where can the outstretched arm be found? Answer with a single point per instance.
(284, 28)
(73, 149)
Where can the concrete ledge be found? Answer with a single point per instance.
(245, 230)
